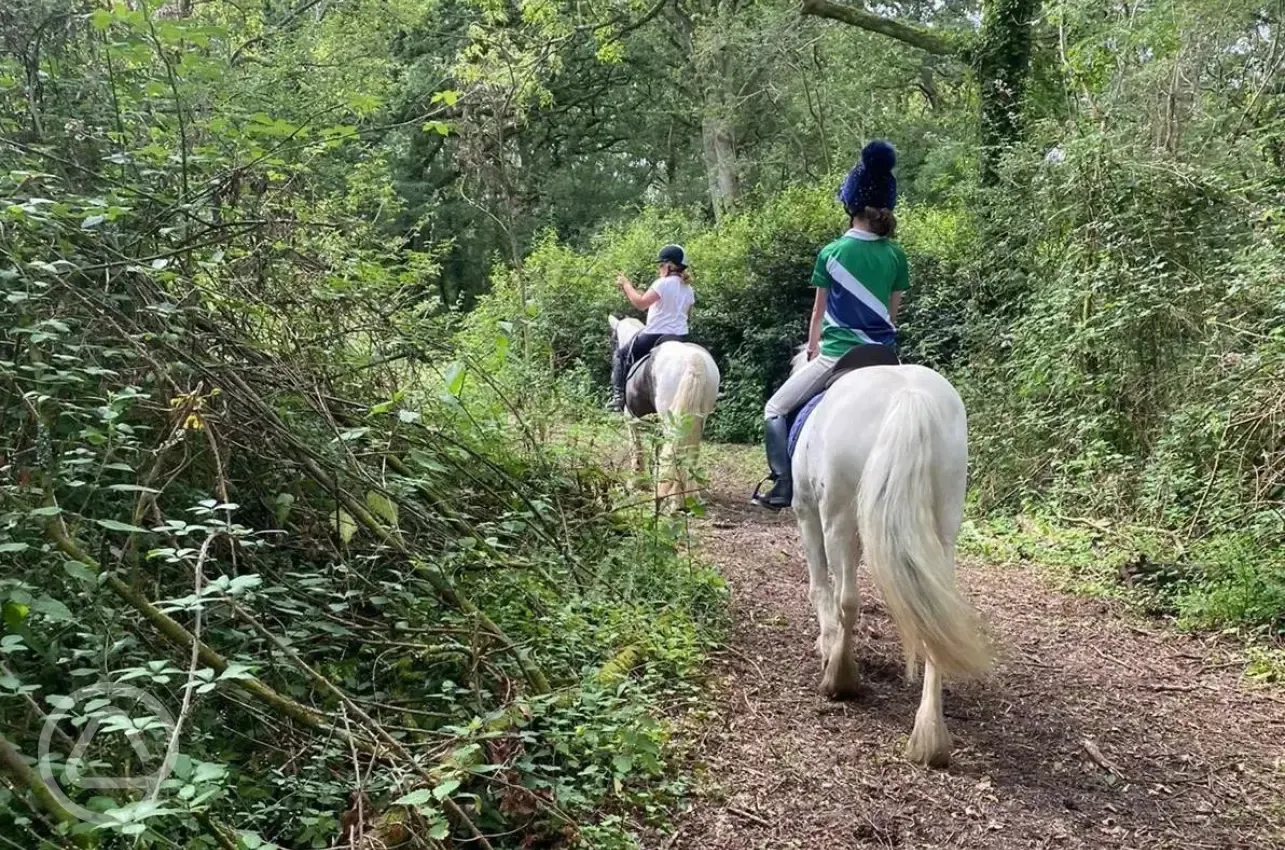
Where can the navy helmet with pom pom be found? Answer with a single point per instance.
(871, 183)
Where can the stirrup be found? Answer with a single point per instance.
(759, 499)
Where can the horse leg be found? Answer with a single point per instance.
(930, 740)
(688, 431)
(635, 446)
(820, 589)
(843, 548)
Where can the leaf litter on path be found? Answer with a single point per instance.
(1092, 732)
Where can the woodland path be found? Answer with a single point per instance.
(1182, 752)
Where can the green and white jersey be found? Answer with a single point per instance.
(861, 271)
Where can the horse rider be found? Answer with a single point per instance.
(859, 279)
(668, 301)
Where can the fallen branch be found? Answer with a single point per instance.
(23, 773)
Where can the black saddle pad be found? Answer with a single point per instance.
(640, 390)
(861, 357)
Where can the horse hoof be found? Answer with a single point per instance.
(930, 746)
(842, 684)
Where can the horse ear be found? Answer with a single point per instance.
(613, 321)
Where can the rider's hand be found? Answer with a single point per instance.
(621, 280)
(813, 350)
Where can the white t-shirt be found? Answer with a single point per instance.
(669, 314)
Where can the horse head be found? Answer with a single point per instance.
(623, 330)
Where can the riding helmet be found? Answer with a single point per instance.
(673, 254)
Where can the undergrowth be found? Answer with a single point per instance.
(1225, 583)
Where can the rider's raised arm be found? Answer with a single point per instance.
(640, 300)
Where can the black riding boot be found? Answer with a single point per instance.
(776, 436)
(618, 376)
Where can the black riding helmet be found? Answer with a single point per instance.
(673, 254)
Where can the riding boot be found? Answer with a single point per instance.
(776, 437)
(618, 376)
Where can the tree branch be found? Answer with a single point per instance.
(916, 36)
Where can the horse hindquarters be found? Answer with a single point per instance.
(909, 506)
(683, 416)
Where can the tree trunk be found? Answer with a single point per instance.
(720, 164)
(1002, 61)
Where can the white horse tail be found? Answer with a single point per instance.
(694, 398)
(898, 515)
(693, 402)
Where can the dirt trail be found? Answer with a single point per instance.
(1182, 753)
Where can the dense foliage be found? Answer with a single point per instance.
(299, 298)
(266, 534)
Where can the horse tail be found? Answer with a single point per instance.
(899, 522)
(693, 401)
(694, 398)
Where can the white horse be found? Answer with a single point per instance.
(685, 380)
(881, 463)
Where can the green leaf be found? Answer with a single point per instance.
(382, 507)
(455, 379)
(446, 789)
(92, 221)
(61, 702)
(53, 609)
(281, 507)
(79, 571)
(12, 643)
(439, 830)
(236, 671)
(344, 524)
(132, 488)
(438, 127)
(113, 525)
(418, 797)
(13, 547)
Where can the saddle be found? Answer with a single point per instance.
(858, 358)
(640, 389)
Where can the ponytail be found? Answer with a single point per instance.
(880, 220)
